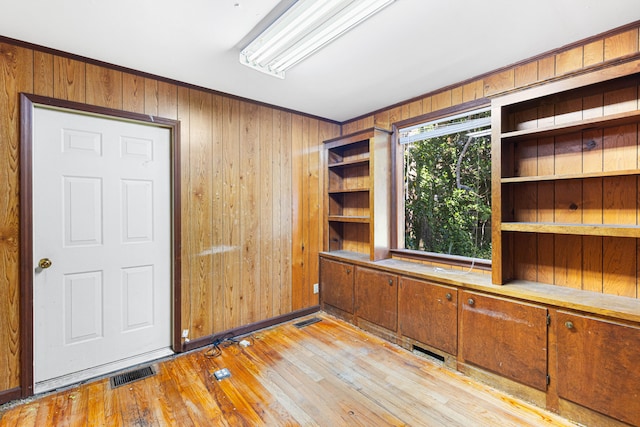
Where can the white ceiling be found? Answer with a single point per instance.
(410, 48)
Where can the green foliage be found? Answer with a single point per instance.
(439, 216)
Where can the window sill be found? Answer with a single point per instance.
(452, 260)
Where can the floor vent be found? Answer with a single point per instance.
(131, 376)
(431, 355)
(307, 322)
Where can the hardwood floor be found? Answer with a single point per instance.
(325, 374)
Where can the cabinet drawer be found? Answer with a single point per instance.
(377, 297)
(336, 284)
(505, 337)
(599, 365)
(428, 313)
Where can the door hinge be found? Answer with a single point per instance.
(548, 319)
(548, 379)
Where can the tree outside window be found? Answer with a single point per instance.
(447, 186)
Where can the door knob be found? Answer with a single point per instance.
(44, 263)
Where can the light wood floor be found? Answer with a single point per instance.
(326, 374)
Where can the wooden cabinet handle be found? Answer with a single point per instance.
(471, 301)
(568, 324)
(448, 296)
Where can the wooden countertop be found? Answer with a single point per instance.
(617, 307)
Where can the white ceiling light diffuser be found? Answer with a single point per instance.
(303, 29)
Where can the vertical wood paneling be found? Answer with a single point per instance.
(621, 44)
(69, 79)
(201, 211)
(499, 82)
(546, 68)
(42, 73)
(570, 60)
(185, 192)
(151, 97)
(526, 74)
(16, 75)
(472, 91)
(265, 203)
(286, 210)
(297, 204)
(278, 228)
(315, 211)
(593, 53)
(217, 230)
(441, 100)
(306, 209)
(167, 100)
(249, 212)
(232, 212)
(104, 87)
(132, 93)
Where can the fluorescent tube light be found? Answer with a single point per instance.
(304, 28)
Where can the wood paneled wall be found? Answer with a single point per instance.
(251, 192)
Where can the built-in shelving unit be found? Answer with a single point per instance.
(565, 183)
(356, 217)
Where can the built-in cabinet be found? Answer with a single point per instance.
(505, 337)
(357, 199)
(428, 313)
(377, 297)
(565, 183)
(598, 365)
(336, 284)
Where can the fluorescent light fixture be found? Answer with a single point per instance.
(303, 29)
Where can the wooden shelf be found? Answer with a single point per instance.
(599, 122)
(517, 179)
(345, 218)
(356, 178)
(606, 230)
(349, 163)
(349, 190)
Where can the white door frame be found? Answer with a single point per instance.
(28, 104)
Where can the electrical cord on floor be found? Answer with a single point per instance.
(225, 341)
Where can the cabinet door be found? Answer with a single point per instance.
(599, 365)
(336, 284)
(377, 297)
(428, 313)
(506, 337)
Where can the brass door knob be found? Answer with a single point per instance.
(44, 263)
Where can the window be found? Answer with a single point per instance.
(447, 186)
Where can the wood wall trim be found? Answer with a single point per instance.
(56, 52)
(26, 246)
(247, 329)
(9, 395)
(27, 104)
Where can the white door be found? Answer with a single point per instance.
(102, 217)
